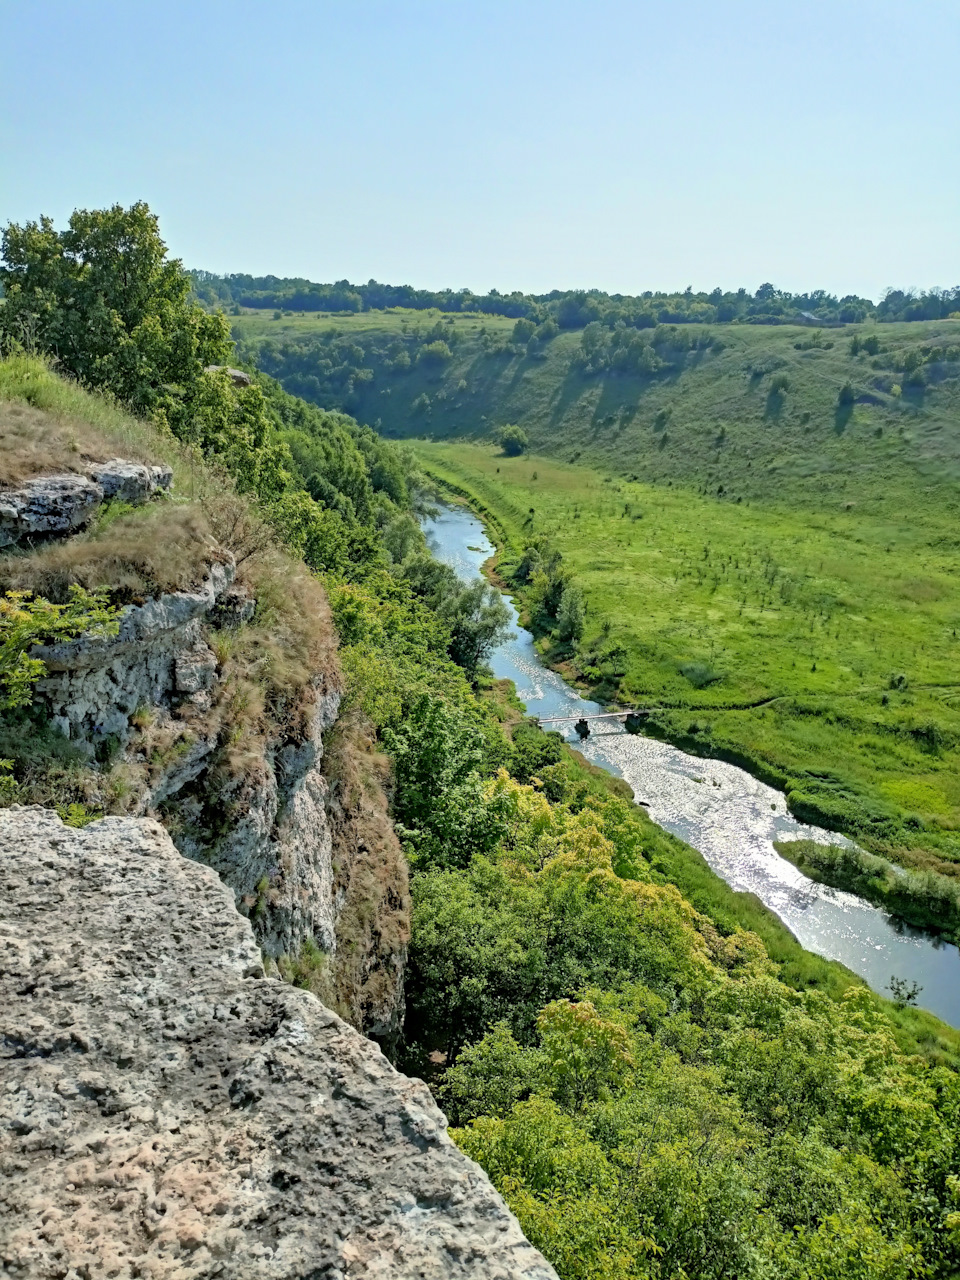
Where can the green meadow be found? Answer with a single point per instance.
(820, 649)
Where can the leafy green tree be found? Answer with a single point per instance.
(533, 750)
(441, 809)
(583, 1052)
(513, 440)
(476, 614)
(479, 621)
(490, 1077)
(314, 533)
(571, 614)
(103, 297)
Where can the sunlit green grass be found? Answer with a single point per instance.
(832, 636)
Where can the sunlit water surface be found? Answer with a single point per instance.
(730, 817)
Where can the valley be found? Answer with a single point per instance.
(761, 518)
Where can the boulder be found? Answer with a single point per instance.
(47, 505)
(236, 376)
(167, 1111)
(51, 506)
(130, 481)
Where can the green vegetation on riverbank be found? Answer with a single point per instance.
(819, 650)
(922, 898)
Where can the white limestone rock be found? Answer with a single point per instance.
(94, 684)
(47, 505)
(168, 1113)
(130, 481)
(54, 506)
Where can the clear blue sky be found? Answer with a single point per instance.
(529, 144)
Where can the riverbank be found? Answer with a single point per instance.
(711, 833)
(751, 638)
(923, 899)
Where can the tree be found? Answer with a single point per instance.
(441, 808)
(479, 621)
(583, 1051)
(476, 614)
(570, 616)
(435, 353)
(104, 299)
(513, 440)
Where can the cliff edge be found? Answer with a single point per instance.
(168, 1111)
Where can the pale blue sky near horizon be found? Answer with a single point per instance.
(528, 145)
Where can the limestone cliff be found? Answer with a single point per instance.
(210, 710)
(167, 1111)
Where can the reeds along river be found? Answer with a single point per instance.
(724, 812)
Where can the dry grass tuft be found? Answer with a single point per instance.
(50, 425)
(157, 548)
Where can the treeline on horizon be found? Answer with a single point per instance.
(576, 308)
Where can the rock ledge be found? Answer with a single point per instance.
(167, 1111)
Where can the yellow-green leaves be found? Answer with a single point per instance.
(25, 623)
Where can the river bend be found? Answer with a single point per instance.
(720, 809)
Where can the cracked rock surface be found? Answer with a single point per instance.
(166, 1111)
(60, 505)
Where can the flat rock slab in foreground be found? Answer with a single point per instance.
(168, 1111)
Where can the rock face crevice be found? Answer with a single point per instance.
(169, 1112)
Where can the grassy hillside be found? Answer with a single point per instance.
(820, 649)
(752, 413)
(764, 522)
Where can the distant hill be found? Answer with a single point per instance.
(746, 412)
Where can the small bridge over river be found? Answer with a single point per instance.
(632, 720)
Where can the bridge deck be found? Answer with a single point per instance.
(586, 715)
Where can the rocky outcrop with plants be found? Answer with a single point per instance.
(210, 701)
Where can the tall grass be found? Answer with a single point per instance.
(93, 419)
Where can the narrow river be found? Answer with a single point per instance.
(730, 817)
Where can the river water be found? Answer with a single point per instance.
(724, 812)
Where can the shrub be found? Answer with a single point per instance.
(25, 623)
(513, 440)
(700, 674)
(435, 353)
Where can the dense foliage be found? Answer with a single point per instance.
(104, 299)
(650, 1099)
(26, 622)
